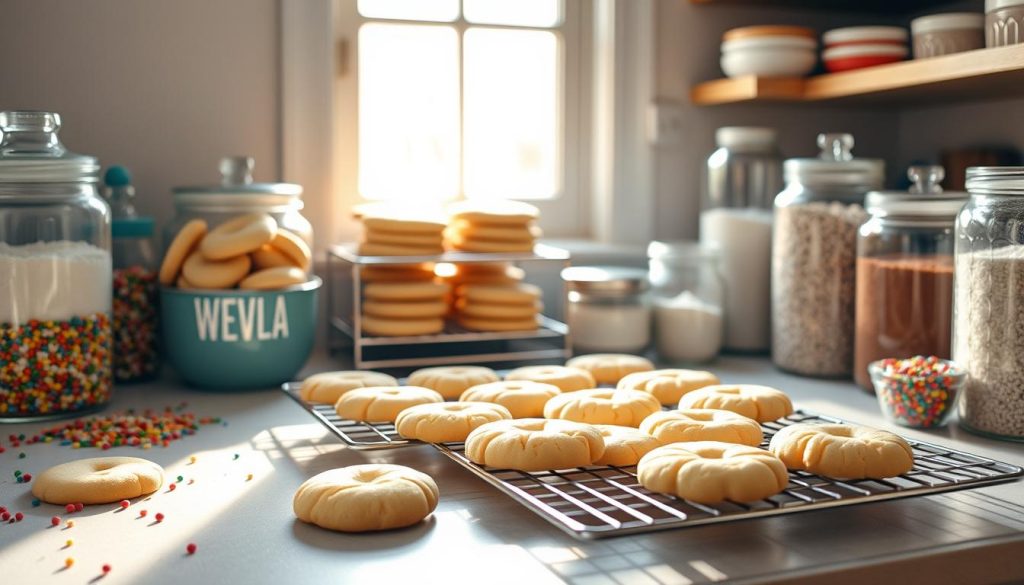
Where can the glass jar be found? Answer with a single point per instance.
(814, 253)
(905, 273)
(745, 170)
(237, 195)
(687, 293)
(55, 271)
(135, 303)
(988, 323)
(607, 309)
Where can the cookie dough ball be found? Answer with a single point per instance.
(609, 368)
(447, 422)
(361, 498)
(382, 403)
(843, 451)
(668, 385)
(709, 472)
(328, 387)
(534, 444)
(100, 480)
(522, 398)
(760, 403)
(452, 381)
(624, 446)
(603, 406)
(703, 424)
(567, 379)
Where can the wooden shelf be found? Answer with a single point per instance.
(893, 7)
(983, 74)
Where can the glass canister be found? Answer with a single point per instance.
(236, 195)
(814, 252)
(687, 294)
(905, 273)
(55, 272)
(743, 176)
(607, 309)
(988, 323)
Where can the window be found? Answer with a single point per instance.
(477, 99)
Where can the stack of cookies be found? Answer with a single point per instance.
(497, 226)
(423, 272)
(493, 273)
(394, 234)
(404, 308)
(497, 307)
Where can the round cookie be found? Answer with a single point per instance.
(395, 291)
(401, 310)
(603, 406)
(382, 403)
(491, 246)
(522, 398)
(401, 327)
(241, 235)
(482, 324)
(215, 274)
(273, 278)
(609, 368)
(396, 223)
(182, 283)
(452, 381)
(187, 238)
(842, 451)
(371, 249)
(486, 311)
(534, 444)
(494, 232)
(518, 294)
(327, 387)
(709, 472)
(294, 247)
(269, 257)
(367, 497)
(447, 422)
(702, 424)
(100, 480)
(503, 213)
(668, 385)
(412, 239)
(397, 273)
(566, 379)
(761, 403)
(624, 446)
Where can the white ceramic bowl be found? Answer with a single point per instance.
(865, 34)
(751, 43)
(769, 62)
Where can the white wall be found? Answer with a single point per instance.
(164, 87)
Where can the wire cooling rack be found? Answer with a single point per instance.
(357, 435)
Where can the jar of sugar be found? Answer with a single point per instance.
(607, 309)
(687, 294)
(988, 315)
(55, 274)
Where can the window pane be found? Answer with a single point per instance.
(434, 10)
(511, 114)
(408, 112)
(541, 13)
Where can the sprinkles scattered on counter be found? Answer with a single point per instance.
(69, 562)
(105, 569)
(159, 517)
(191, 548)
(135, 324)
(124, 504)
(919, 391)
(144, 430)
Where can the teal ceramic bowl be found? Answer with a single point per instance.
(239, 340)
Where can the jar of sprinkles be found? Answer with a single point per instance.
(55, 274)
(988, 321)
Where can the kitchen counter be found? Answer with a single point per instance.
(245, 530)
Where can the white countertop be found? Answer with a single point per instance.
(246, 529)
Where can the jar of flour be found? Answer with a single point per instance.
(55, 273)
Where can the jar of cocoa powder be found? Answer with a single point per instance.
(905, 272)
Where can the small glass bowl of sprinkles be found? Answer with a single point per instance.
(919, 391)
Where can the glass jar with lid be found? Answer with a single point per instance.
(905, 273)
(55, 274)
(814, 252)
(236, 195)
(607, 309)
(687, 294)
(988, 323)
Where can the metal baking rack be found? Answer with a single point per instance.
(357, 435)
(454, 345)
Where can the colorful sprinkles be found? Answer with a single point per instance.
(919, 391)
(135, 324)
(144, 430)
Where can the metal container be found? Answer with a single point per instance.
(607, 309)
(745, 170)
(1004, 22)
(944, 34)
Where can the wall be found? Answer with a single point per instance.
(164, 87)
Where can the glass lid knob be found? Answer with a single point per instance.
(236, 170)
(835, 146)
(926, 178)
(28, 133)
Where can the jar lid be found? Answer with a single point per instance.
(995, 180)
(863, 34)
(31, 151)
(835, 164)
(925, 197)
(748, 136)
(991, 5)
(947, 21)
(605, 280)
(236, 179)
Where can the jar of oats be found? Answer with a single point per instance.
(988, 312)
(814, 257)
